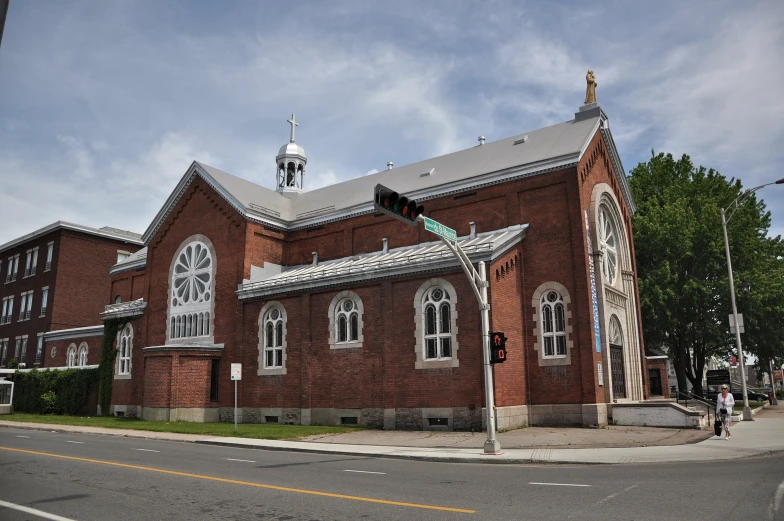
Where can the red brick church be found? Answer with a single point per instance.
(341, 315)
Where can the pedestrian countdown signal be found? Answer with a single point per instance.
(497, 348)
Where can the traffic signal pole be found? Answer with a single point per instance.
(478, 281)
(408, 211)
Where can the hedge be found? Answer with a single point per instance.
(53, 392)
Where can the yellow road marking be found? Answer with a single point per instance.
(246, 483)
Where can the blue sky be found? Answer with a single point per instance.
(103, 105)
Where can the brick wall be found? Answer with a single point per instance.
(61, 350)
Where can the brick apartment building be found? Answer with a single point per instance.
(56, 278)
(339, 314)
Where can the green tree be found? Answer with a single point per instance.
(682, 269)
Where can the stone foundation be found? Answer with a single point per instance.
(507, 418)
(186, 414)
(128, 411)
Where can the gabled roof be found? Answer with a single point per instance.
(523, 155)
(407, 260)
(106, 232)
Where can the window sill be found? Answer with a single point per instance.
(437, 364)
(122, 377)
(346, 345)
(272, 371)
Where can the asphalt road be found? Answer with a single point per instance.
(91, 477)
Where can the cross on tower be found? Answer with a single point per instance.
(293, 123)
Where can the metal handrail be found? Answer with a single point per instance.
(698, 399)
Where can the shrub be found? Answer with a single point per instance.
(53, 392)
(12, 363)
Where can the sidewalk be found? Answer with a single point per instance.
(757, 438)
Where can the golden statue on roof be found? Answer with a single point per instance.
(590, 88)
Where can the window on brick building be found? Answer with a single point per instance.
(345, 321)
(4, 353)
(124, 347)
(553, 314)
(23, 354)
(435, 307)
(609, 244)
(8, 309)
(192, 289)
(553, 331)
(214, 379)
(83, 349)
(49, 253)
(39, 350)
(272, 339)
(122, 255)
(118, 299)
(17, 347)
(70, 356)
(44, 300)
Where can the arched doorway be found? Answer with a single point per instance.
(615, 337)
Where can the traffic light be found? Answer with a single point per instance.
(497, 348)
(398, 206)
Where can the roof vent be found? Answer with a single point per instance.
(481, 140)
(390, 165)
(521, 140)
(315, 258)
(429, 172)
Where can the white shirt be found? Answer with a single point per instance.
(724, 403)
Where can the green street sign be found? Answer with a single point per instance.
(439, 229)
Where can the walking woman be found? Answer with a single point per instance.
(724, 403)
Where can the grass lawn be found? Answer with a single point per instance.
(264, 431)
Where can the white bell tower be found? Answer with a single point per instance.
(291, 161)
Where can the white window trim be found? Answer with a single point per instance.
(69, 353)
(538, 333)
(117, 374)
(23, 351)
(333, 318)
(419, 326)
(44, 300)
(83, 348)
(204, 339)
(271, 371)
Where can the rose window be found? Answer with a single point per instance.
(192, 275)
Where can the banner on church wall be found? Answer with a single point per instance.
(594, 298)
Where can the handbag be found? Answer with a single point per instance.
(723, 411)
(717, 427)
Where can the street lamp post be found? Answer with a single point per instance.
(734, 205)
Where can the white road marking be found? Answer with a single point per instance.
(365, 472)
(608, 498)
(39, 513)
(74, 442)
(561, 484)
(776, 501)
(243, 460)
(23, 436)
(148, 450)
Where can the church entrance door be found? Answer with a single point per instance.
(618, 373)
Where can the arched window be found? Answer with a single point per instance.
(608, 243)
(345, 321)
(553, 313)
(191, 303)
(83, 354)
(436, 315)
(552, 334)
(124, 347)
(70, 357)
(117, 299)
(272, 339)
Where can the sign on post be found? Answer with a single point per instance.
(236, 371)
(740, 321)
(440, 230)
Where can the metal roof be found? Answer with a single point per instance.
(407, 260)
(107, 232)
(525, 154)
(124, 309)
(135, 260)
